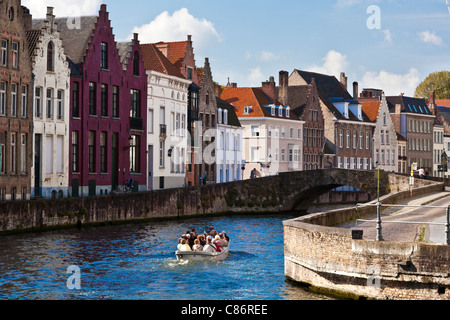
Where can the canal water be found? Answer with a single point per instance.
(137, 262)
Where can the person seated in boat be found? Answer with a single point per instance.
(202, 240)
(209, 247)
(223, 240)
(179, 243)
(184, 246)
(197, 246)
(217, 243)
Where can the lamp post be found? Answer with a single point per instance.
(379, 227)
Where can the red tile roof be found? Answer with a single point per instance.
(253, 97)
(370, 107)
(177, 51)
(155, 60)
(443, 102)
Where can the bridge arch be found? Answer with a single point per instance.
(301, 189)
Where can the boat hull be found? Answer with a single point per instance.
(203, 256)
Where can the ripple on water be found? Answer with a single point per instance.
(138, 262)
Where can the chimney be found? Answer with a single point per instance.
(283, 87)
(234, 85)
(432, 102)
(268, 88)
(27, 18)
(344, 80)
(398, 108)
(355, 90)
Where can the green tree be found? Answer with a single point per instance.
(439, 82)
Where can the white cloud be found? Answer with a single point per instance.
(428, 37)
(392, 84)
(177, 27)
(62, 8)
(256, 75)
(345, 3)
(387, 36)
(333, 64)
(268, 56)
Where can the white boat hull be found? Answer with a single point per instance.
(203, 256)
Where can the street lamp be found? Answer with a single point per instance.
(379, 227)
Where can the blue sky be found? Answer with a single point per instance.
(248, 41)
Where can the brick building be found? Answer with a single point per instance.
(414, 121)
(348, 132)
(107, 107)
(15, 102)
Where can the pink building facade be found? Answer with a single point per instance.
(107, 107)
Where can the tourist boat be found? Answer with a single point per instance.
(203, 256)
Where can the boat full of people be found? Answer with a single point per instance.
(211, 245)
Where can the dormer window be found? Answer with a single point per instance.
(247, 110)
(225, 116)
(219, 119)
(360, 112)
(280, 111)
(272, 110)
(288, 112)
(346, 110)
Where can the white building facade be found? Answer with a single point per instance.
(228, 146)
(51, 86)
(167, 134)
(438, 148)
(272, 145)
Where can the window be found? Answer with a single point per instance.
(255, 131)
(135, 103)
(355, 139)
(291, 133)
(384, 119)
(104, 100)
(60, 104)
(75, 100)
(103, 152)
(255, 154)
(104, 55)
(50, 57)
(388, 140)
(75, 151)
(161, 154)
(283, 155)
(38, 102)
(341, 138)
(361, 140)
(49, 103)
(367, 141)
(13, 100)
(23, 153)
(13, 152)
(91, 145)
(49, 154)
(348, 139)
(115, 102)
(2, 151)
(3, 98)
(60, 154)
(189, 73)
(92, 99)
(15, 54)
(4, 53)
(136, 64)
(24, 101)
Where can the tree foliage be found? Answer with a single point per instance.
(439, 82)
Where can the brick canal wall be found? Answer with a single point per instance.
(265, 195)
(337, 261)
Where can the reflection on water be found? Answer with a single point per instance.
(138, 262)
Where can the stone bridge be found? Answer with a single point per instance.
(282, 193)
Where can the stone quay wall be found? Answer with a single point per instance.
(338, 261)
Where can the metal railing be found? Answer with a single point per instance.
(378, 221)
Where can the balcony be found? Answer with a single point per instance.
(162, 130)
(136, 124)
